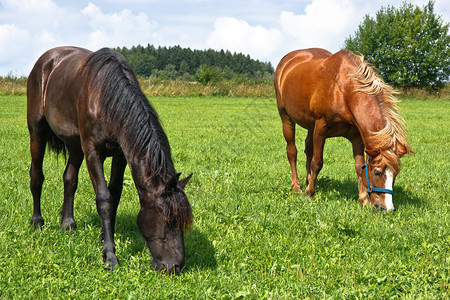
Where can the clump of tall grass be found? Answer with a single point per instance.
(153, 86)
(13, 85)
(426, 94)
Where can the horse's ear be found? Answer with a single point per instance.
(182, 183)
(172, 183)
(405, 150)
(372, 153)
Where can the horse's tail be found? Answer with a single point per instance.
(55, 144)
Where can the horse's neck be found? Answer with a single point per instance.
(143, 172)
(144, 180)
(368, 117)
(150, 151)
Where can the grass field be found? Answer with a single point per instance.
(252, 238)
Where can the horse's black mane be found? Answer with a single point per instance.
(129, 115)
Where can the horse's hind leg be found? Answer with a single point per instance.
(70, 178)
(37, 150)
(309, 153)
(291, 149)
(316, 164)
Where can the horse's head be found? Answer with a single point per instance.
(378, 176)
(165, 212)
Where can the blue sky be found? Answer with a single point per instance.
(264, 29)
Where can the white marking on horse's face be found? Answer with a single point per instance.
(389, 174)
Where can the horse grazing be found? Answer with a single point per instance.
(90, 105)
(340, 95)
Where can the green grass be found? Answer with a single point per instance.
(252, 238)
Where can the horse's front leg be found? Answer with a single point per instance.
(116, 182)
(309, 154)
(105, 204)
(358, 155)
(319, 136)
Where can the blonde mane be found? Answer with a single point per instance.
(390, 141)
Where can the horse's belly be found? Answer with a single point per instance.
(305, 122)
(302, 117)
(336, 125)
(61, 120)
(342, 129)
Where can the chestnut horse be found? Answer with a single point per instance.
(340, 95)
(90, 105)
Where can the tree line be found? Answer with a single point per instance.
(201, 65)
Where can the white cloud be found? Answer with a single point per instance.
(44, 24)
(324, 23)
(12, 40)
(34, 14)
(238, 36)
(30, 7)
(124, 27)
(27, 29)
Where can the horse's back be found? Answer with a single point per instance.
(294, 80)
(309, 84)
(310, 60)
(53, 89)
(48, 61)
(294, 58)
(44, 69)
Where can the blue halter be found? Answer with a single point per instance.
(373, 189)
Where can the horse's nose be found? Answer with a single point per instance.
(169, 268)
(380, 208)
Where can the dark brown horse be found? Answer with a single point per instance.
(90, 105)
(340, 95)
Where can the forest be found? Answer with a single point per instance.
(201, 65)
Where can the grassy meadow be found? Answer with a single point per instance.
(252, 238)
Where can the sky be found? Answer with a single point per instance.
(264, 29)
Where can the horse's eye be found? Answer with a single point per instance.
(377, 172)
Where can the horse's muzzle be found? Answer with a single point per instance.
(382, 209)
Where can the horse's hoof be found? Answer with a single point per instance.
(297, 190)
(69, 224)
(309, 192)
(37, 222)
(111, 264)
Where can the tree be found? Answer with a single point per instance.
(409, 45)
(207, 74)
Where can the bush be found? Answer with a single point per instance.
(207, 74)
(13, 85)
